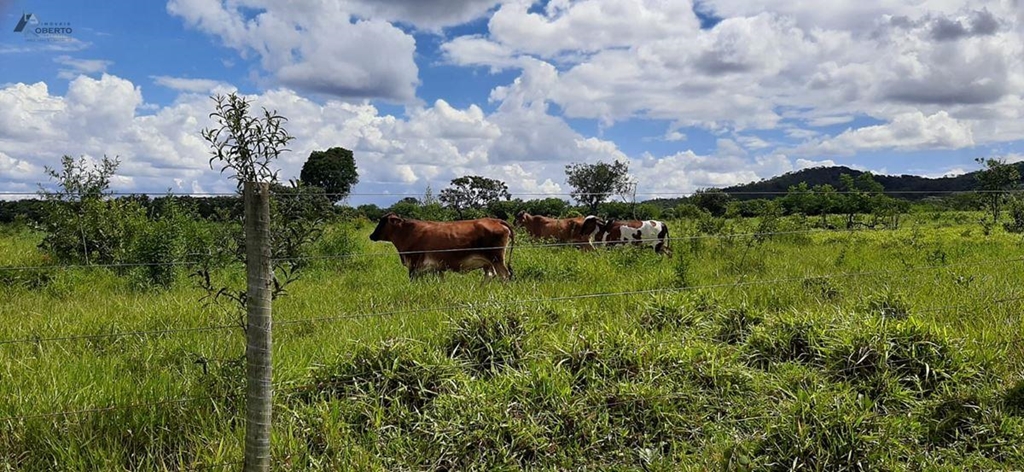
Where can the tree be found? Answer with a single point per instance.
(994, 181)
(712, 200)
(473, 191)
(593, 183)
(333, 170)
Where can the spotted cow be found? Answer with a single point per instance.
(617, 232)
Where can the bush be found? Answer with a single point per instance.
(1015, 206)
(489, 340)
(785, 341)
(735, 324)
(888, 305)
(824, 430)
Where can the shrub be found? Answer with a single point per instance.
(785, 341)
(824, 430)
(391, 373)
(888, 304)
(490, 340)
(666, 312)
(735, 324)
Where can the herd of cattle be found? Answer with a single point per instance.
(460, 246)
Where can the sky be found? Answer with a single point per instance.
(692, 94)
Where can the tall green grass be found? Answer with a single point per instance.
(827, 350)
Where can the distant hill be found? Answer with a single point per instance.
(914, 186)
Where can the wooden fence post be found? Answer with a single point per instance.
(258, 389)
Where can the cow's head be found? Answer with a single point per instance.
(386, 227)
(521, 217)
(591, 225)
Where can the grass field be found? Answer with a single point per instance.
(809, 349)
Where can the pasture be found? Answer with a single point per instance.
(808, 349)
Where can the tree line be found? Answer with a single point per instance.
(328, 177)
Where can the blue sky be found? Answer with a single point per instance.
(691, 95)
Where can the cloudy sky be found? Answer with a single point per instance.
(691, 93)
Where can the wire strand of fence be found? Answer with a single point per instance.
(108, 408)
(219, 465)
(287, 390)
(463, 306)
(158, 332)
(430, 251)
(120, 334)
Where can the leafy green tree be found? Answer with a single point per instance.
(862, 194)
(333, 170)
(593, 183)
(712, 200)
(473, 192)
(799, 199)
(826, 201)
(994, 182)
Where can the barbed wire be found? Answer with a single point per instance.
(219, 465)
(122, 334)
(463, 306)
(390, 254)
(286, 391)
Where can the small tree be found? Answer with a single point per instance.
(861, 195)
(994, 181)
(333, 170)
(473, 191)
(593, 183)
(825, 201)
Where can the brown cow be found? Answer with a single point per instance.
(642, 233)
(460, 246)
(565, 230)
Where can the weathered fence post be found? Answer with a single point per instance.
(258, 389)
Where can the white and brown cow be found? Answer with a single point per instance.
(651, 233)
(562, 230)
(438, 246)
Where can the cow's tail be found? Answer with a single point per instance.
(663, 236)
(511, 246)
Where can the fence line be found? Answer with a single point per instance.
(390, 254)
(288, 390)
(122, 334)
(462, 306)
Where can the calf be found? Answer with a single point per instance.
(641, 233)
(565, 230)
(460, 246)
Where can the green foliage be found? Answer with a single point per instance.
(333, 170)
(787, 340)
(735, 324)
(713, 201)
(994, 181)
(888, 304)
(84, 226)
(661, 379)
(246, 144)
(473, 192)
(1016, 209)
(825, 430)
(490, 340)
(594, 183)
(391, 373)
